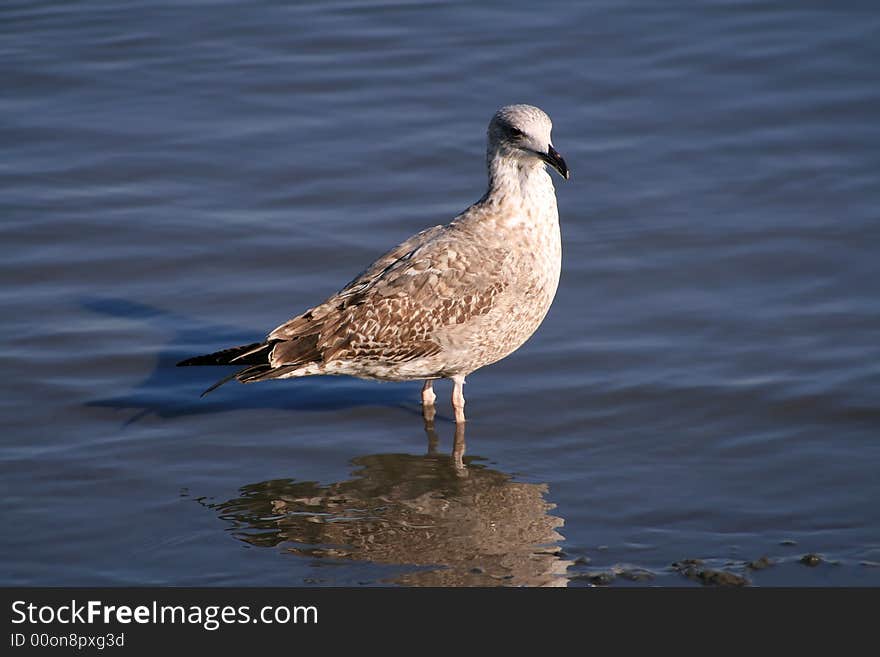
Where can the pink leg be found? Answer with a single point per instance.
(458, 447)
(458, 398)
(428, 398)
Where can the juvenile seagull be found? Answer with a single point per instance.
(447, 301)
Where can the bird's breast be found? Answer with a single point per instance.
(530, 235)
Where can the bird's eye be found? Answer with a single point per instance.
(516, 133)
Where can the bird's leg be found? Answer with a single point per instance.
(458, 448)
(428, 398)
(458, 398)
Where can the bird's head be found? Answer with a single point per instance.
(523, 132)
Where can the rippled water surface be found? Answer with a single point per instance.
(178, 177)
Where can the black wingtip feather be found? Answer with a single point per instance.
(225, 379)
(249, 375)
(255, 356)
(240, 355)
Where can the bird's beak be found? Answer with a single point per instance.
(554, 159)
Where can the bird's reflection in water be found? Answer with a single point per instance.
(466, 523)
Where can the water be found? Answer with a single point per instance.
(184, 176)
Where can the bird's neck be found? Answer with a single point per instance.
(522, 186)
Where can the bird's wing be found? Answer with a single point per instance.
(392, 311)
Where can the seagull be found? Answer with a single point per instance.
(447, 301)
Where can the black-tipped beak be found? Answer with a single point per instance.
(554, 159)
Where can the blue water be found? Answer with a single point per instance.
(184, 176)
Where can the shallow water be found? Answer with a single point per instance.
(178, 178)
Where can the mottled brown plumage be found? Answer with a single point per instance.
(447, 301)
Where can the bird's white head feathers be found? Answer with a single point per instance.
(523, 132)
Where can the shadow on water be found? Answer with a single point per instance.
(170, 391)
(457, 521)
